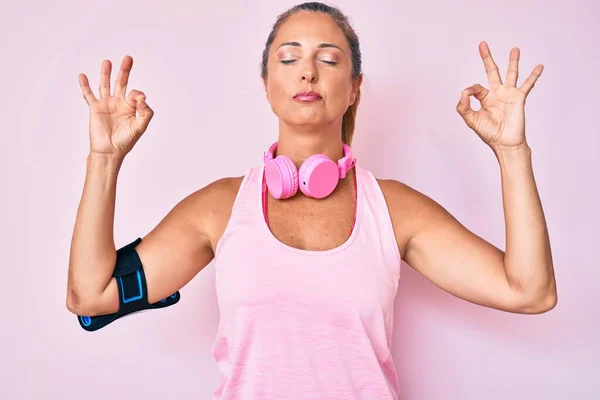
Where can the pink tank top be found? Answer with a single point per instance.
(306, 324)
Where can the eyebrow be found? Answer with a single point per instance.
(321, 46)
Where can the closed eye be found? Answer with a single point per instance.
(332, 63)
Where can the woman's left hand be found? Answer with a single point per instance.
(501, 120)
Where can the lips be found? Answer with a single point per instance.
(307, 96)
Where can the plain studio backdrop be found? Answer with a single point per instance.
(198, 63)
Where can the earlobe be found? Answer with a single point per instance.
(265, 89)
(356, 89)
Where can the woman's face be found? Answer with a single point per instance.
(310, 53)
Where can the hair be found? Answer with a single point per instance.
(349, 118)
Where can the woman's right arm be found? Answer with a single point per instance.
(171, 254)
(176, 250)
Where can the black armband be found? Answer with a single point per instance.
(133, 293)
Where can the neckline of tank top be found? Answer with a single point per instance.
(257, 209)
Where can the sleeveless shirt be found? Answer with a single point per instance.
(305, 324)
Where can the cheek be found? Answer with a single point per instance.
(339, 90)
(276, 93)
(278, 84)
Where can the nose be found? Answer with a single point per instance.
(309, 74)
(308, 77)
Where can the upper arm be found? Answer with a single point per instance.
(448, 254)
(180, 245)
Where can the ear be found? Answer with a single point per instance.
(264, 83)
(355, 88)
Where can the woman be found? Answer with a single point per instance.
(307, 271)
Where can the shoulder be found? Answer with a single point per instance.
(208, 209)
(411, 211)
(214, 195)
(215, 200)
(399, 193)
(214, 204)
(220, 189)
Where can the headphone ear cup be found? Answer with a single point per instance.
(282, 177)
(318, 176)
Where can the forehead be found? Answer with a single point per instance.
(310, 28)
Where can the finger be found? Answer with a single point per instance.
(105, 79)
(513, 67)
(134, 96)
(478, 91)
(145, 115)
(464, 107)
(123, 77)
(490, 66)
(88, 95)
(530, 81)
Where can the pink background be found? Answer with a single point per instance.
(198, 64)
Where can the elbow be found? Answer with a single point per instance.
(535, 297)
(540, 304)
(82, 305)
(550, 301)
(76, 304)
(73, 301)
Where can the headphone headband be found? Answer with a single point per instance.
(344, 164)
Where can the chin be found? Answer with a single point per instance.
(310, 113)
(307, 121)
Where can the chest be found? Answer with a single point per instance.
(311, 224)
(309, 253)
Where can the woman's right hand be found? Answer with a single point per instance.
(114, 127)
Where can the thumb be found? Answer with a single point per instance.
(133, 98)
(464, 106)
(145, 114)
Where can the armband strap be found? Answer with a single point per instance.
(133, 293)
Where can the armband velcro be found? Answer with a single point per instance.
(133, 293)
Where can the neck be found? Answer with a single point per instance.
(299, 143)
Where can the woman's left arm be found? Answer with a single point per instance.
(521, 279)
(528, 256)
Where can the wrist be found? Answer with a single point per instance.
(106, 161)
(512, 152)
(514, 159)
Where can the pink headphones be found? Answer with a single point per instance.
(318, 175)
